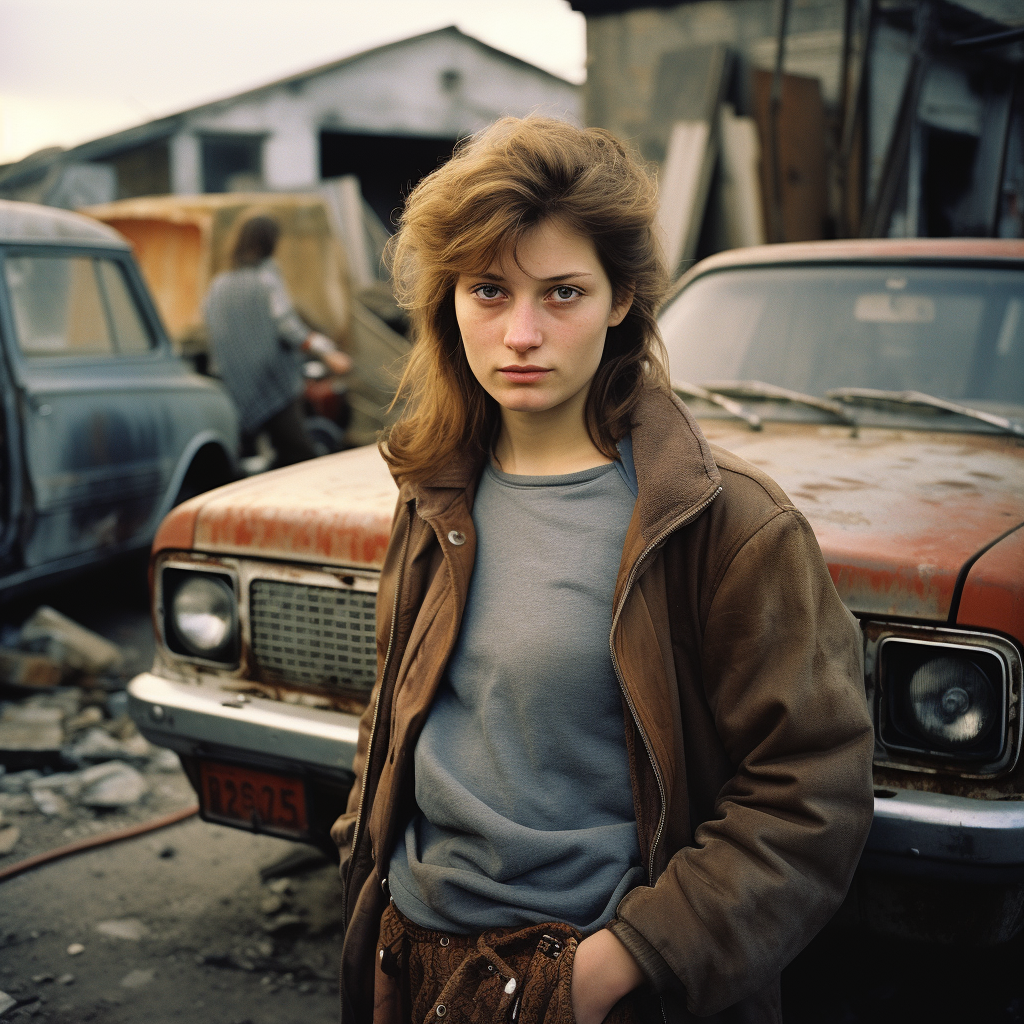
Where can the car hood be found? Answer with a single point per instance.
(335, 510)
(897, 513)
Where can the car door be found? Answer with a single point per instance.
(88, 360)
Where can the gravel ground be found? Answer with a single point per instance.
(175, 925)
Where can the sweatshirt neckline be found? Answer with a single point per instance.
(555, 480)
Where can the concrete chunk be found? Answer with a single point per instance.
(113, 784)
(30, 735)
(22, 669)
(130, 928)
(9, 836)
(64, 640)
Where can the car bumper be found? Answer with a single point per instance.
(199, 722)
(947, 836)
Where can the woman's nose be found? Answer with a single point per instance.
(523, 330)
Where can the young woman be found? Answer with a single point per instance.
(618, 751)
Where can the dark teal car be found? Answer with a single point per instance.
(102, 427)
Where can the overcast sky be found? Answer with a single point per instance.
(72, 70)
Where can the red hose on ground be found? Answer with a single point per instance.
(101, 840)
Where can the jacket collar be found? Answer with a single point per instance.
(675, 470)
(669, 458)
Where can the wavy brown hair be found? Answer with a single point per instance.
(499, 184)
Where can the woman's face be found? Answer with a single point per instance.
(534, 330)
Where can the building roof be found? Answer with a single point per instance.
(1001, 12)
(27, 222)
(163, 127)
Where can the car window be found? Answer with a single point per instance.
(73, 306)
(954, 332)
(129, 329)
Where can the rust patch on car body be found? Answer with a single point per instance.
(335, 510)
(897, 512)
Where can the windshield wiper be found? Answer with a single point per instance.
(758, 389)
(912, 398)
(684, 389)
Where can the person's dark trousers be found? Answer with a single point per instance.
(287, 430)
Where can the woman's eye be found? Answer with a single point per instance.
(488, 291)
(565, 292)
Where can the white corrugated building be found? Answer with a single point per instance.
(387, 115)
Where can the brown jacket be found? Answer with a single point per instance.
(746, 723)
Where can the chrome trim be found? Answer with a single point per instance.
(956, 829)
(183, 716)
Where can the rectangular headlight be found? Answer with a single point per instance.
(945, 698)
(200, 615)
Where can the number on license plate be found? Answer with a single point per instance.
(262, 801)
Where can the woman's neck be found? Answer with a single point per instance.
(534, 444)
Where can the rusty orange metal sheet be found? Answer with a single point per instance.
(896, 512)
(335, 510)
(993, 595)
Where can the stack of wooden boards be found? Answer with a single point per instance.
(717, 177)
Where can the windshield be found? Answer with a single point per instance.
(953, 332)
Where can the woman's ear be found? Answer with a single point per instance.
(620, 307)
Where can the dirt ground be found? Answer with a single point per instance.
(174, 925)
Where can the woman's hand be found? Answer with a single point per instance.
(602, 973)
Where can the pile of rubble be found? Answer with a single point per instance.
(68, 749)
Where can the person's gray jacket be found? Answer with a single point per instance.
(255, 335)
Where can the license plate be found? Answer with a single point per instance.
(261, 801)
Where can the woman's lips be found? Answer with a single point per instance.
(523, 374)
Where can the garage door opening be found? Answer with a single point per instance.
(388, 166)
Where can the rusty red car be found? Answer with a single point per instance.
(880, 382)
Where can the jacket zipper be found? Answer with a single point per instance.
(376, 709)
(684, 520)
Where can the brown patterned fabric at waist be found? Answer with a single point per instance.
(519, 975)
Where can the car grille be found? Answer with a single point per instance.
(317, 636)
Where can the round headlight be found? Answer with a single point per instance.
(953, 702)
(203, 615)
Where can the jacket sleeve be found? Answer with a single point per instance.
(783, 677)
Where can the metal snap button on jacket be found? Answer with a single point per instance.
(456, 537)
(441, 1009)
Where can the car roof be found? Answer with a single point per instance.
(864, 250)
(27, 222)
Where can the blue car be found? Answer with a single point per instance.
(103, 429)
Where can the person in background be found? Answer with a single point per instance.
(255, 334)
